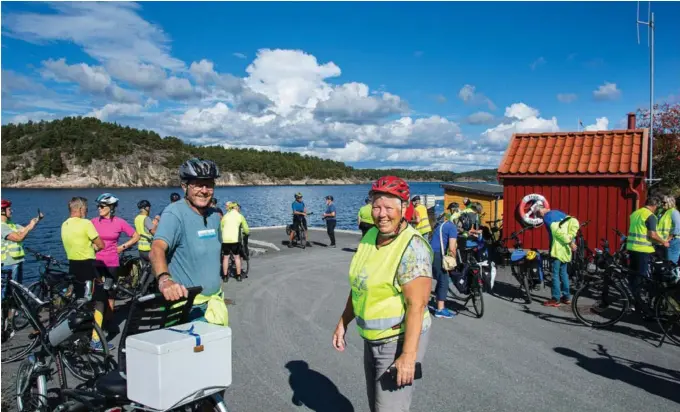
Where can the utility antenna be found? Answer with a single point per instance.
(650, 43)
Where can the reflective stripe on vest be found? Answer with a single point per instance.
(663, 228)
(15, 250)
(377, 298)
(424, 225)
(637, 233)
(145, 237)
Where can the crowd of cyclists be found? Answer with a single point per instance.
(401, 251)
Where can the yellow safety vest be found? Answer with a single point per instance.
(637, 233)
(15, 250)
(424, 226)
(377, 298)
(365, 214)
(145, 237)
(663, 228)
(217, 312)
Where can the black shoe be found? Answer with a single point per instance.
(333, 246)
(308, 244)
(290, 245)
(238, 278)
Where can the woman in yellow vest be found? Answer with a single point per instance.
(390, 278)
(364, 217)
(146, 228)
(421, 218)
(13, 236)
(669, 228)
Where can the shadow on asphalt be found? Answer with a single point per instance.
(654, 379)
(314, 390)
(647, 335)
(349, 249)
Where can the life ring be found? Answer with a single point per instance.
(528, 207)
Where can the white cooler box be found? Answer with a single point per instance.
(165, 367)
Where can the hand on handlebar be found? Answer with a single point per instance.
(172, 291)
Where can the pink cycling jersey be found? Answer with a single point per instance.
(109, 231)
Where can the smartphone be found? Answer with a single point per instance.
(417, 375)
(40, 215)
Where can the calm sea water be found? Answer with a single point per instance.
(261, 205)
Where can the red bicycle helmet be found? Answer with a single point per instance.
(6, 203)
(392, 185)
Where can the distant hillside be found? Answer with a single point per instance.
(84, 152)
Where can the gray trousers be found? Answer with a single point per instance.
(383, 394)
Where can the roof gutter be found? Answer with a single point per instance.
(562, 176)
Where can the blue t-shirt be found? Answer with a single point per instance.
(194, 245)
(330, 209)
(298, 206)
(449, 231)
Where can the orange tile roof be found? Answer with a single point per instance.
(610, 152)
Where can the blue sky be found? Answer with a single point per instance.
(417, 85)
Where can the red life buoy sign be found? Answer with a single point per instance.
(528, 207)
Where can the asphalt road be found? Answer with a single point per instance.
(516, 358)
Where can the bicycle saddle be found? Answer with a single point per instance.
(112, 384)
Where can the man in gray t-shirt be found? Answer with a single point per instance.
(187, 244)
(193, 246)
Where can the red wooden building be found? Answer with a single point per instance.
(597, 176)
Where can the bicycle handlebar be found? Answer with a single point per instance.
(195, 290)
(45, 258)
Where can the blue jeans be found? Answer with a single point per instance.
(559, 274)
(673, 251)
(17, 274)
(440, 275)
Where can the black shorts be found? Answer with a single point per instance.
(231, 249)
(84, 271)
(301, 220)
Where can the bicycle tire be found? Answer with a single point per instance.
(581, 294)
(477, 298)
(662, 306)
(527, 289)
(245, 267)
(79, 373)
(303, 239)
(23, 352)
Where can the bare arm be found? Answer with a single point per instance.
(416, 295)
(157, 256)
(656, 238)
(171, 291)
(347, 316)
(127, 245)
(98, 243)
(20, 235)
(452, 246)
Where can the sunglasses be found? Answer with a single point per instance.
(102, 206)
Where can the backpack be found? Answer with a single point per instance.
(466, 221)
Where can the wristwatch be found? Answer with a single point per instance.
(169, 276)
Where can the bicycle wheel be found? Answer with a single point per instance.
(667, 310)
(245, 267)
(527, 288)
(477, 296)
(595, 308)
(303, 239)
(81, 360)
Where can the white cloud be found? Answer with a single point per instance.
(469, 95)
(480, 118)
(607, 91)
(92, 79)
(520, 119)
(292, 79)
(566, 97)
(116, 110)
(106, 31)
(601, 123)
(30, 116)
(351, 103)
(538, 62)
(520, 111)
(239, 55)
(142, 75)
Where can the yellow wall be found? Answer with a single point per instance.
(488, 203)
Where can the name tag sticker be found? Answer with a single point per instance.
(206, 234)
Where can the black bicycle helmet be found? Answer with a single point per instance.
(415, 198)
(453, 205)
(175, 197)
(329, 197)
(143, 204)
(198, 169)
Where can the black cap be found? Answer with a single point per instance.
(329, 197)
(175, 197)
